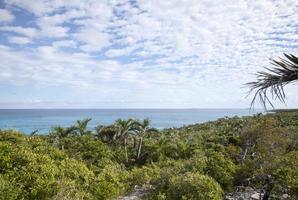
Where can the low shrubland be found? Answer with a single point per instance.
(200, 161)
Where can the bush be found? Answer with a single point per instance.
(9, 190)
(287, 174)
(142, 176)
(109, 183)
(32, 173)
(35, 170)
(221, 168)
(193, 186)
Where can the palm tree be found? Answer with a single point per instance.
(59, 133)
(142, 129)
(273, 80)
(81, 126)
(124, 129)
(106, 133)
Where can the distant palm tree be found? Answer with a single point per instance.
(124, 129)
(81, 126)
(106, 133)
(273, 80)
(58, 133)
(142, 129)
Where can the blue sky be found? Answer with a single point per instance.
(140, 54)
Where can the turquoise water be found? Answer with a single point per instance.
(27, 120)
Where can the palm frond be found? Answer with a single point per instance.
(33, 133)
(270, 84)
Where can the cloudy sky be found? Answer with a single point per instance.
(140, 53)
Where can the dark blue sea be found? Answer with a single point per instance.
(28, 120)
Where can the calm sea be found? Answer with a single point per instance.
(27, 120)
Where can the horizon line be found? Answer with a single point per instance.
(137, 108)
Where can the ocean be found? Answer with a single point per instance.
(28, 120)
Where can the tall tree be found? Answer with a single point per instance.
(142, 129)
(272, 81)
(124, 129)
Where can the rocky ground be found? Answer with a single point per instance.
(137, 193)
(247, 193)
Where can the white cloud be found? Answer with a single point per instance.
(111, 53)
(54, 31)
(65, 43)
(92, 40)
(19, 40)
(37, 7)
(26, 31)
(166, 48)
(6, 16)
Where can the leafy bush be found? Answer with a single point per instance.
(143, 176)
(93, 152)
(287, 174)
(35, 170)
(191, 186)
(109, 183)
(221, 168)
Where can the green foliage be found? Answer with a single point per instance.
(193, 186)
(221, 168)
(32, 169)
(287, 174)
(93, 152)
(193, 162)
(143, 176)
(8, 188)
(109, 183)
(81, 127)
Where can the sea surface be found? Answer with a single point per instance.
(28, 120)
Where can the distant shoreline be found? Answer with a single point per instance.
(283, 110)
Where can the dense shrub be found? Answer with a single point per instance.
(287, 175)
(93, 152)
(33, 170)
(221, 168)
(109, 183)
(191, 186)
(143, 176)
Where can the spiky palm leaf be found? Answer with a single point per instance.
(106, 133)
(82, 126)
(124, 127)
(273, 80)
(33, 133)
(61, 132)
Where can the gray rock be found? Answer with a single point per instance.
(255, 196)
(136, 194)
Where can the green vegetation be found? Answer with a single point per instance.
(201, 161)
(272, 81)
